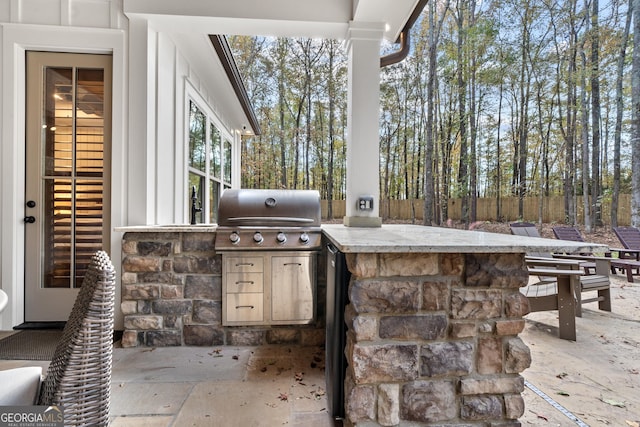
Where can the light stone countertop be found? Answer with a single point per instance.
(406, 238)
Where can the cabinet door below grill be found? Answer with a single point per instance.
(292, 289)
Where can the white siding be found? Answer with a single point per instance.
(81, 13)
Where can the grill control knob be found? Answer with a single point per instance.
(304, 238)
(257, 237)
(281, 237)
(234, 237)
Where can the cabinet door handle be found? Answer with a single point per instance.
(244, 264)
(245, 282)
(244, 306)
(292, 263)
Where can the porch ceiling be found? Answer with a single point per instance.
(286, 18)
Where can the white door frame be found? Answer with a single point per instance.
(16, 40)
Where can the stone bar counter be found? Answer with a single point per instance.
(433, 324)
(433, 318)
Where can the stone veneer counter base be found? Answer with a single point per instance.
(432, 324)
(433, 316)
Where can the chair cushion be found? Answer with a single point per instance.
(20, 386)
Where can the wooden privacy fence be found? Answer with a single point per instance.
(552, 209)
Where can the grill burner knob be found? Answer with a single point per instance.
(281, 237)
(304, 238)
(257, 237)
(234, 237)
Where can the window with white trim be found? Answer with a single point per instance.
(209, 163)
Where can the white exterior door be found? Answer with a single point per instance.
(68, 139)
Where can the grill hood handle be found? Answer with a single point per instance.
(256, 220)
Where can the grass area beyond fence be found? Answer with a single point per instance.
(549, 209)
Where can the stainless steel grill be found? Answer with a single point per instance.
(268, 220)
(269, 240)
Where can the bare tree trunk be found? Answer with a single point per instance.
(596, 217)
(331, 94)
(498, 162)
(523, 131)
(635, 127)
(282, 64)
(585, 147)
(405, 144)
(463, 170)
(570, 133)
(619, 111)
(473, 129)
(307, 142)
(544, 151)
(524, 95)
(296, 142)
(429, 185)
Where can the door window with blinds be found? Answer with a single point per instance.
(209, 162)
(72, 172)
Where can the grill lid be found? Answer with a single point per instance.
(269, 208)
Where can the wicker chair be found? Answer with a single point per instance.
(79, 376)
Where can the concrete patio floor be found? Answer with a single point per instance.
(596, 378)
(215, 386)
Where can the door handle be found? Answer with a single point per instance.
(29, 219)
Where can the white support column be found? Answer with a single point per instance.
(363, 142)
(141, 153)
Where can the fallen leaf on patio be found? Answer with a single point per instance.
(284, 397)
(633, 423)
(634, 371)
(562, 375)
(613, 402)
(235, 357)
(563, 393)
(542, 417)
(298, 376)
(263, 369)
